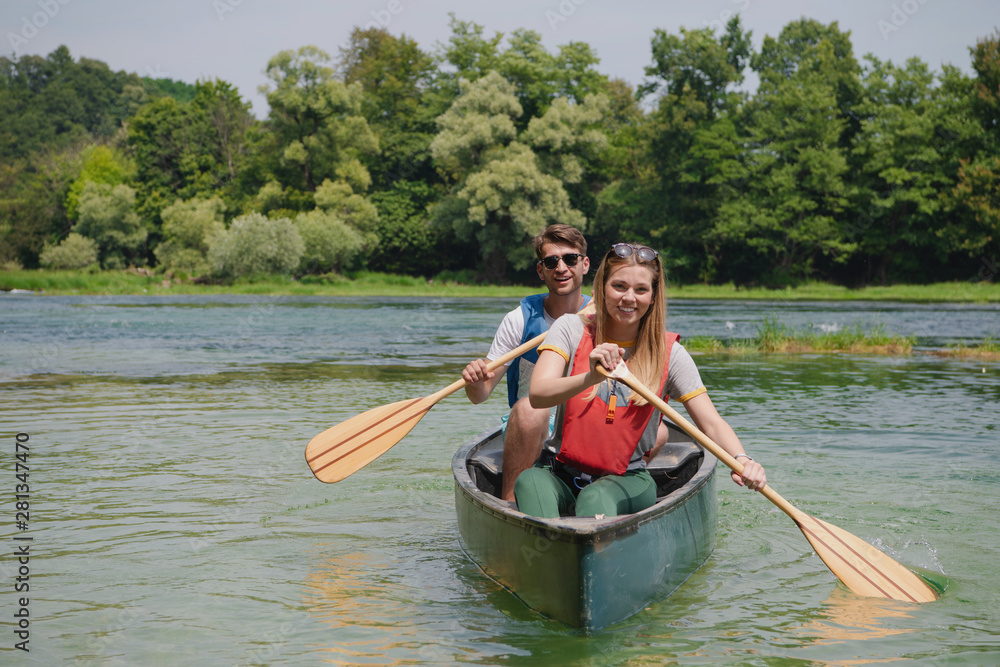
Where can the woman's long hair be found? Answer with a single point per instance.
(650, 351)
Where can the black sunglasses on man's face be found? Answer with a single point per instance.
(552, 261)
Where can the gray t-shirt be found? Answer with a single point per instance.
(683, 382)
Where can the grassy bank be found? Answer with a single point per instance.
(378, 284)
(954, 292)
(362, 284)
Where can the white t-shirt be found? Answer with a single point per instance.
(508, 337)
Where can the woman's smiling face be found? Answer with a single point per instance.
(628, 294)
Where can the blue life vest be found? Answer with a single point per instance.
(533, 309)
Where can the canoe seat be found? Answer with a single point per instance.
(674, 465)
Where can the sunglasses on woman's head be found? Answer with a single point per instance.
(624, 250)
(552, 261)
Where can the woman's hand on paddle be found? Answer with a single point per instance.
(753, 477)
(607, 355)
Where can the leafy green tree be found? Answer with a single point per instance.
(539, 77)
(188, 229)
(569, 142)
(500, 197)
(74, 252)
(807, 46)
(794, 175)
(55, 102)
(394, 76)
(339, 198)
(191, 149)
(408, 243)
(107, 215)
(166, 87)
(699, 64)
(315, 122)
(225, 121)
(683, 160)
(986, 63)
(508, 202)
(101, 164)
(974, 230)
(892, 153)
(255, 245)
(902, 168)
(32, 203)
(160, 136)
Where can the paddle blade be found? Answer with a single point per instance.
(351, 445)
(860, 566)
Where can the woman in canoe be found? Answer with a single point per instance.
(596, 457)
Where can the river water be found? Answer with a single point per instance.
(173, 519)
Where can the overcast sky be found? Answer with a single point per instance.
(233, 39)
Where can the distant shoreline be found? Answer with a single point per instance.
(64, 283)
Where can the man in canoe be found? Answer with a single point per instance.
(562, 263)
(595, 461)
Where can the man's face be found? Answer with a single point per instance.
(563, 279)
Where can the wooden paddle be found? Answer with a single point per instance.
(351, 445)
(860, 566)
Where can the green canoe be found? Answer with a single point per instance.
(586, 572)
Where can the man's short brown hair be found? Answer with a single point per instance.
(562, 235)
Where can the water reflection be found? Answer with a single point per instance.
(849, 617)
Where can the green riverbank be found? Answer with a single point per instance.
(377, 284)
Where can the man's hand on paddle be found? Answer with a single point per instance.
(480, 380)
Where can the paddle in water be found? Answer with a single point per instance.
(861, 567)
(351, 445)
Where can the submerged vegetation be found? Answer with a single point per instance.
(987, 350)
(773, 336)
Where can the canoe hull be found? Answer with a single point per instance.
(588, 573)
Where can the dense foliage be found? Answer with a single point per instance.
(838, 167)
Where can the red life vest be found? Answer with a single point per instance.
(592, 441)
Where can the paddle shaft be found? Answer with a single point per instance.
(698, 436)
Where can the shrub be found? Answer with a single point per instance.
(107, 215)
(330, 244)
(188, 227)
(75, 252)
(256, 245)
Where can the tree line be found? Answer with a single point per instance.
(395, 159)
